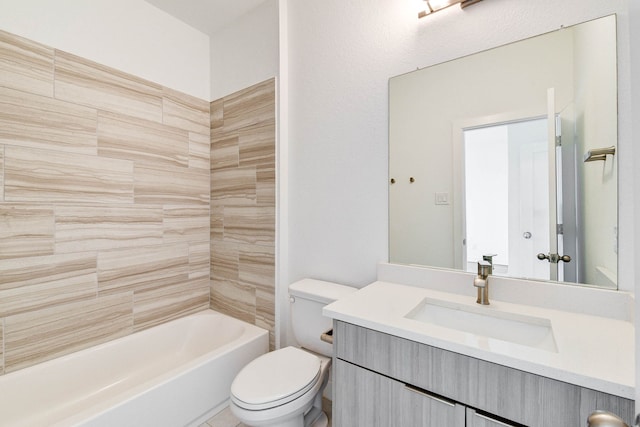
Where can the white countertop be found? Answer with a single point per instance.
(592, 351)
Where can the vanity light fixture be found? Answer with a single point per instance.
(436, 5)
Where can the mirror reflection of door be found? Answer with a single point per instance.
(506, 185)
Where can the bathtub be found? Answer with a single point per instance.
(175, 374)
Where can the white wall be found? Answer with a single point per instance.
(129, 35)
(245, 52)
(634, 153)
(341, 55)
(596, 120)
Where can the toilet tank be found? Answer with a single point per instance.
(308, 297)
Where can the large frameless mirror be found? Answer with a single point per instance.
(510, 155)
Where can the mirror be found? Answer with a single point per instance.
(509, 154)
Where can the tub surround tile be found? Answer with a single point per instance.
(37, 270)
(1, 173)
(1, 346)
(257, 145)
(224, 260)
(104, 198)
(199, 151)
(87, 83)
(138, 269)
(257, 266)
(155, 306)
(234, 299)
(265, 314)
(185, 111)
(216, 115)
(26, 230)
(42, 335)
(243, 189)
(199, 258)
(47, 294)
(36, 121)
(266, 185)
(251, 106)
(235, 186)
(25, 65)
(93, 228)
(130, 138)
(171, 185)
(225, 152)
(56, 177)
(186, 224)
(217, 223)
(249, 224)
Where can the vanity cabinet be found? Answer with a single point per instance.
(370, 399)
(383, 380)
(475, 419)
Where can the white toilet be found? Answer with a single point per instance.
(284, 388)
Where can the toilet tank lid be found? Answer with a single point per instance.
(319, 290)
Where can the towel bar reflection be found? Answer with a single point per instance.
(599, 154)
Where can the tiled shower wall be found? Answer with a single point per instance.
(243, 188)
(104, 204)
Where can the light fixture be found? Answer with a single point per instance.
(436, 5)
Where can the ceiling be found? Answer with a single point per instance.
(208, 16)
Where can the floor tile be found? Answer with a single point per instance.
(224, 419)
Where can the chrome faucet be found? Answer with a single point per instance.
(482, 281)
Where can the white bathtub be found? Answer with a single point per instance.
(175, 374)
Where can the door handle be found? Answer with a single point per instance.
(554, 258)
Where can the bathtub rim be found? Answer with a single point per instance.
(97, 409)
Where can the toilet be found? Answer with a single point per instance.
(284, 387)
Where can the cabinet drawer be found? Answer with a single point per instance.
(522, 397)
(475, 419)
(368, 399)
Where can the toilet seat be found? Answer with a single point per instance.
(275, 379)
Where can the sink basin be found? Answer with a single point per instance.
(484, 321)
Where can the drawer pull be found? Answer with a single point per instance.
(430, 395)
(493, 420)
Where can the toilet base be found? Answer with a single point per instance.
(314, 418)
(322, 421)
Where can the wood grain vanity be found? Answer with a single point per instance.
(384, 380)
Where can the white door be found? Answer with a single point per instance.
(506, 197)
(529, 200)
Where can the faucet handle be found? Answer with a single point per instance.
(489, 257)
(484, 268)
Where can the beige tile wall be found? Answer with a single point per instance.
(243, 188)
(104, 204)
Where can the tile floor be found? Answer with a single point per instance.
(226, 419)
(223, 419)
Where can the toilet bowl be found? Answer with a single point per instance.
(284, 387)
